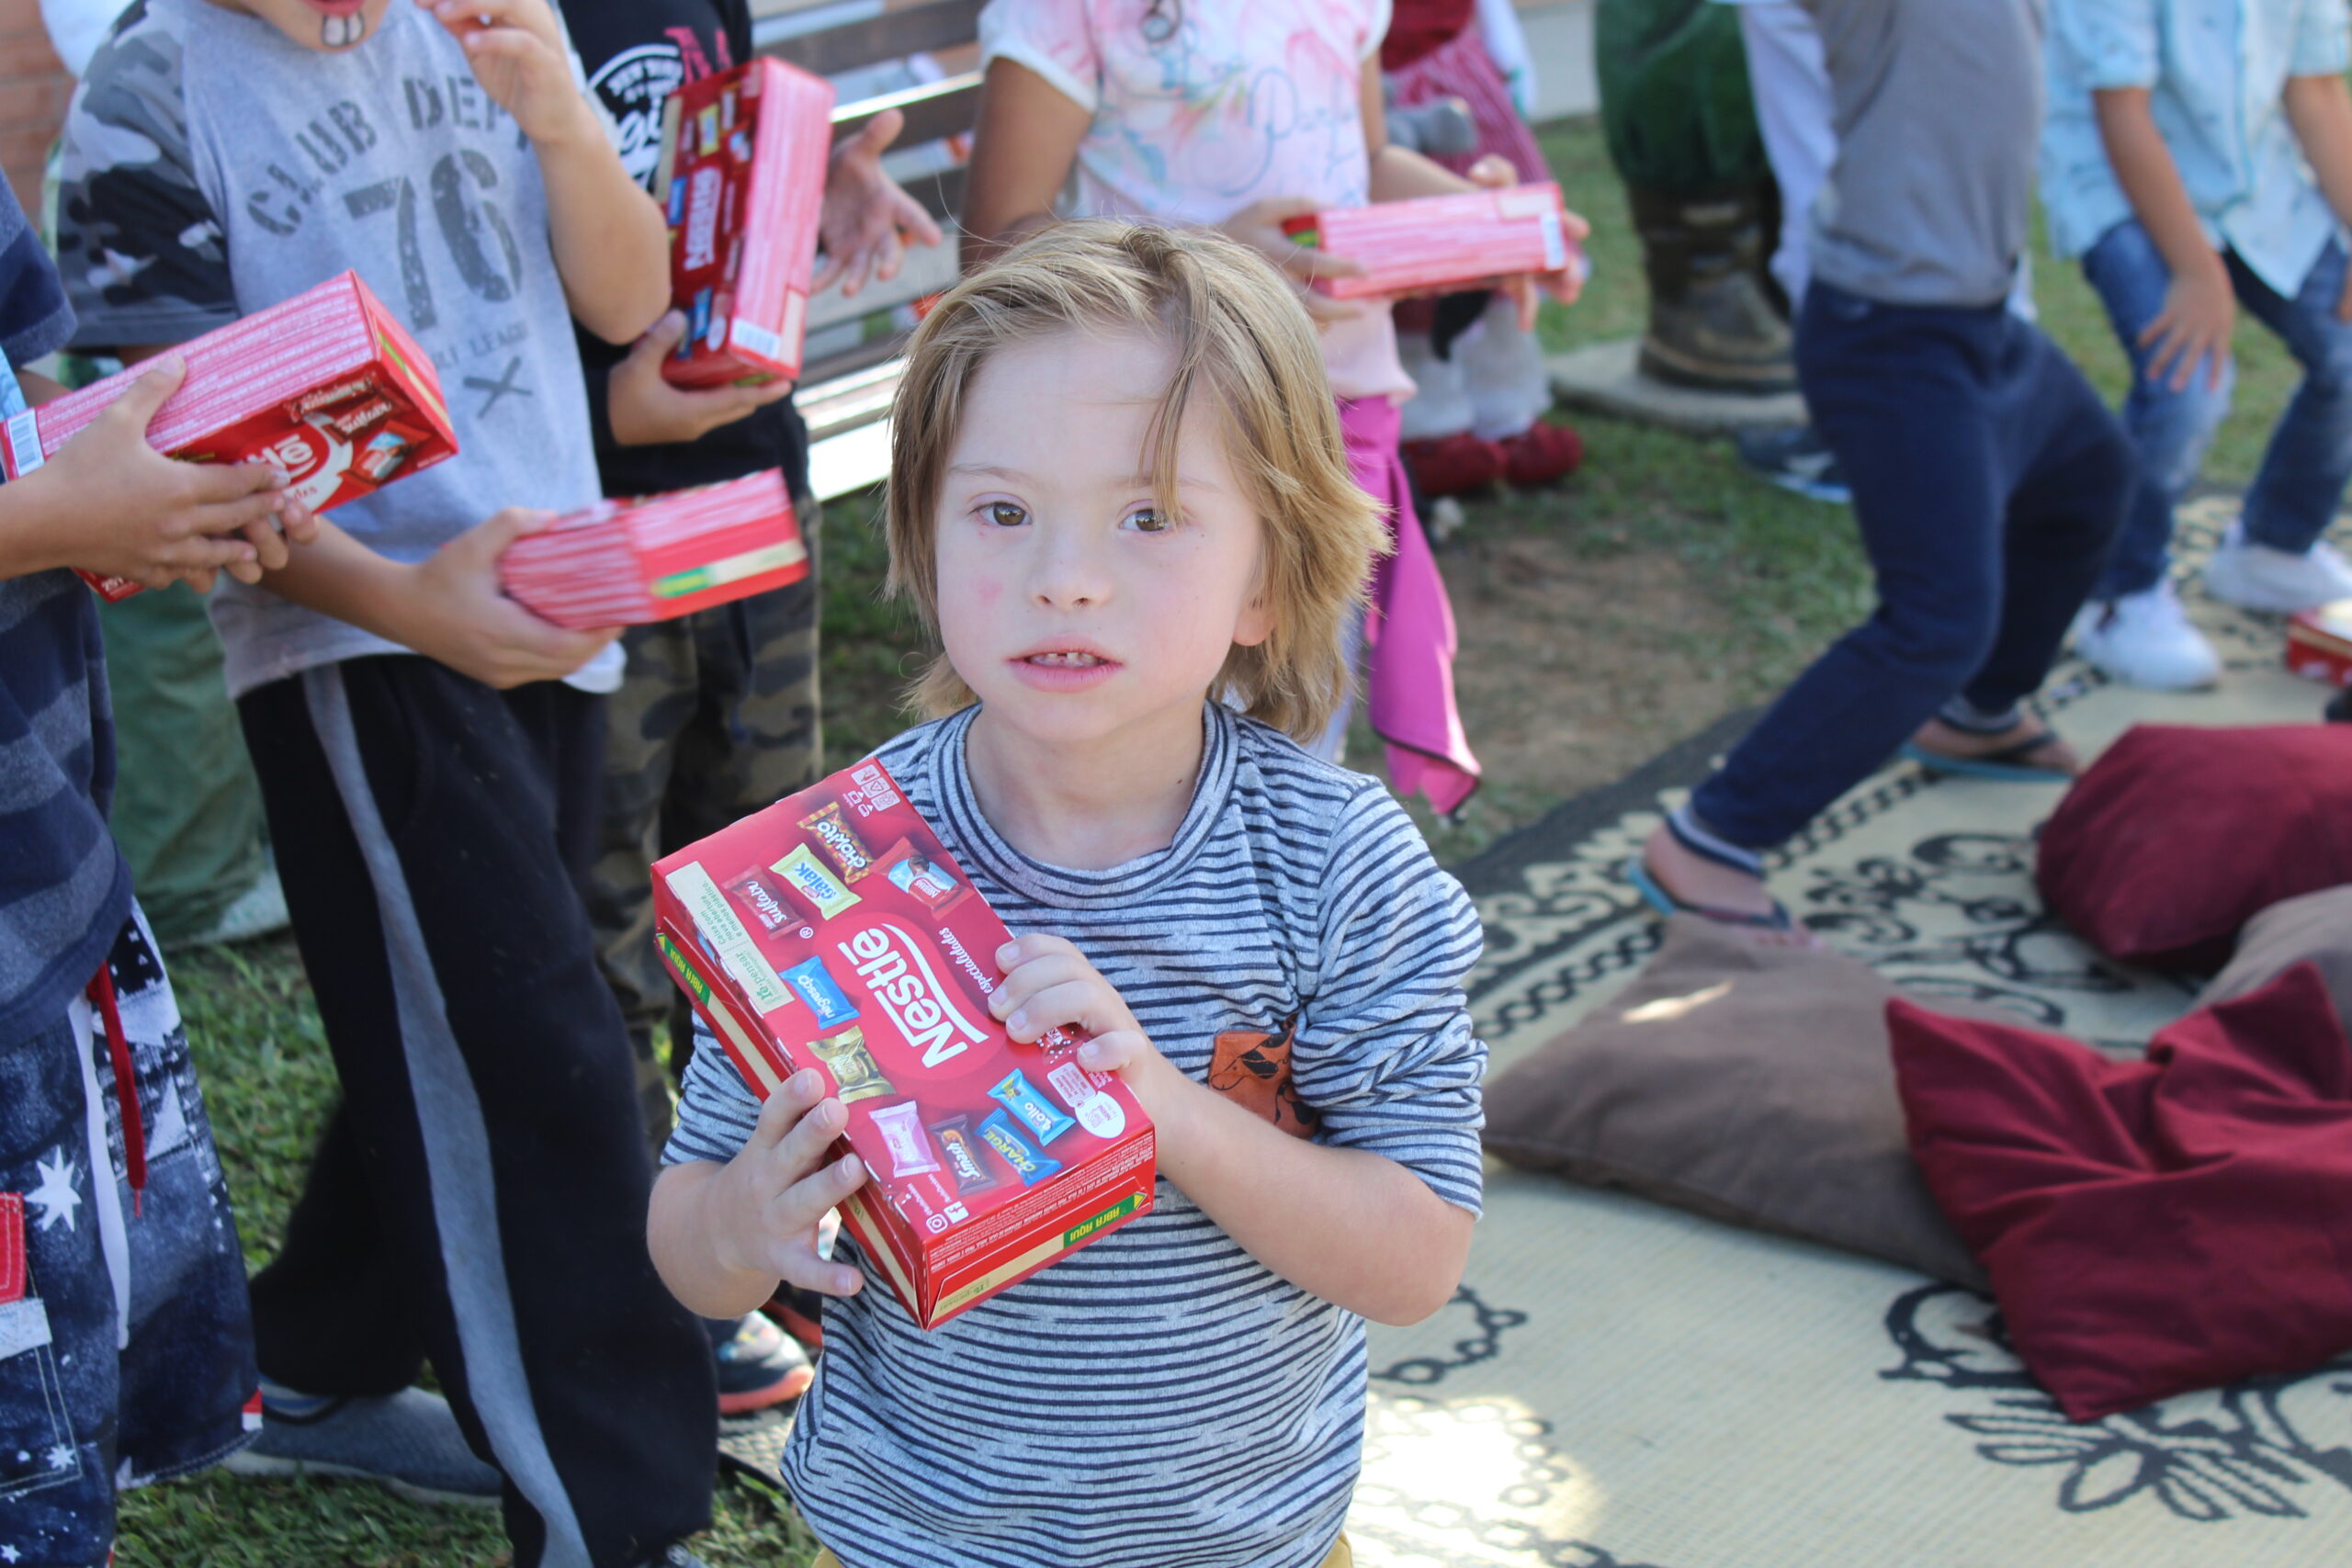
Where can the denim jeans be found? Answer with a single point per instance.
(1988, 483)
(2295, 496)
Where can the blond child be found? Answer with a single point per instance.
(1119, 496)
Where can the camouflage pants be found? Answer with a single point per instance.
(715, 718)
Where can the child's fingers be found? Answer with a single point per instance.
(298, 522)
(795, 1211)
(1110, 1052)
(158, 379)
(269, 548)
(801, 1264)
(661, 339)
(1088, 1005)
(801, 1151)
(1025, 980)
(219, 518)
(784, 1106)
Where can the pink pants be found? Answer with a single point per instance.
(1408, 635)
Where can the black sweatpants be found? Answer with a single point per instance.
(480, 1198)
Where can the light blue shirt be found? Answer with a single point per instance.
(2217, 71)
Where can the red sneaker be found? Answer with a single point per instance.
(1540, 454)
(1454, 465)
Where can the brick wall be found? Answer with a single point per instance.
(33, 90)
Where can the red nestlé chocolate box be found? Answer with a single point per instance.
(1434, 240)
(623, 563)
(326, 387)
(743, 157)
(831, 929)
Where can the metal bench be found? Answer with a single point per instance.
(856, 344)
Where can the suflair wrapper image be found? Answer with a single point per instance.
(832, 930)
(326, 387)
(624, 563)
(1433, 242)
(743, 156)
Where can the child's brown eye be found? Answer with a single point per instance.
(1147, 520)
(1005, 514)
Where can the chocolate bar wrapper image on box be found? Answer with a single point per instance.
(326, 387)
(1434, 242)
(832, 930)
(623, 563)
(743, 156)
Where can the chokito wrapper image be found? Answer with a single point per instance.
(327, 387)
(743, 157)
(624, 563)
(832, 930)
(1431, 242)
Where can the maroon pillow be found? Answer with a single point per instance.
(2155, 1226)
(2176, 837)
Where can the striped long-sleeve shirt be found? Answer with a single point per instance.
(1160, 1399)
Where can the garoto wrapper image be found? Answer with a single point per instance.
(327, 387)
(832, 930)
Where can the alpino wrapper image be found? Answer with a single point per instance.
(832, 930)
(743, 156)
(625, 563)
(327, 386)
(1433, 242)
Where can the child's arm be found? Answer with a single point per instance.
(2200, 308)
(1399, 173)
(724, 1235)
(611, 242)
(448, 607)
(1023, 141)
(109, 502)
(2320, 109)
(1348, 1225)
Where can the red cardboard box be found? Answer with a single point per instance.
(326, 387)
(743, 156)
(2319, 643)
(832, 930)
(1433, 240)
(622, 563)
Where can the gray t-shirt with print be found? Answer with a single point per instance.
(213, 167)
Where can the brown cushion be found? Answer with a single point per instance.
(1747, 1083)
(2317, 926)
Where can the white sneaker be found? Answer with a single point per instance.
(2146, 640)
(2255, 577)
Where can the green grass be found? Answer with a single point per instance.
(1787, 570)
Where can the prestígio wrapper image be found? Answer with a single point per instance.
(988, 1158)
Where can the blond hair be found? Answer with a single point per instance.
(1237, 330)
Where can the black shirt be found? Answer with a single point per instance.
(636, 52)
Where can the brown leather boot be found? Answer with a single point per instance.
(1711, 323)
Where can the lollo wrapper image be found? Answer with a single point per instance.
(832, 930)
(2319, 643)
(325, 387)
(1431, 242)
(743, 156)
(623, 563)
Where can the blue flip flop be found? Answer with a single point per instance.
(2004, 766)
(1655, 895)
